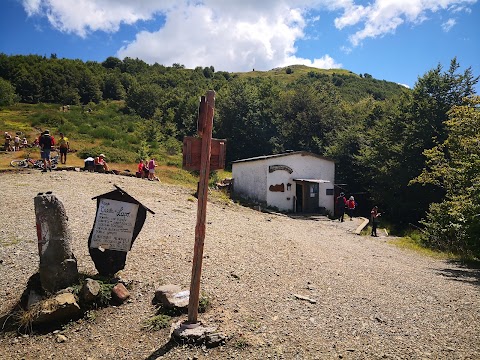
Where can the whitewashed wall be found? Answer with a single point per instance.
(304, 167)
(252, 179)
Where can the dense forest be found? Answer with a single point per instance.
(415, 152)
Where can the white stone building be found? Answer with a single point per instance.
(293, 182)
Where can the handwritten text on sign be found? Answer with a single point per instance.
(114, 225)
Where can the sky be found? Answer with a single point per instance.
(393, 40)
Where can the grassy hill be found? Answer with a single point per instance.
(103, 130)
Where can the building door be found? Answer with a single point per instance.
(311, 201)
(299, 197)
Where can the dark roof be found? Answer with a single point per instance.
(264, 157)
(123, 194)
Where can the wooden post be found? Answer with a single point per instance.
(205, 130)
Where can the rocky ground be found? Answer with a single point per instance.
(370, 299)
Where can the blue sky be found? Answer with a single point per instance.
(393, 40)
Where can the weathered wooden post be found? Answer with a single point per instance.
(203, 154)
(205, 125)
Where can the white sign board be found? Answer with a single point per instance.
(114, 225)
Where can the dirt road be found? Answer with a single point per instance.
(371, 300)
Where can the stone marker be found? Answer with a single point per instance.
(58, 266)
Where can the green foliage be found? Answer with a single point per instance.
(393, 153)
(7, 93)
(454, 165)
(157, 322)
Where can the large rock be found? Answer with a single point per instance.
(172, 296)
(58, 266)
(60, 308)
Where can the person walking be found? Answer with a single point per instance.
(64, 147)
(351, 205)
(46, 142)
(151, 170)
(374, 214)
(341, 204)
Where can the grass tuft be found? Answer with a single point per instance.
(157, 322)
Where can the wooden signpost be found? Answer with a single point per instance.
(197, 154)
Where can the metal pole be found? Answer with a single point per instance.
(201, 207)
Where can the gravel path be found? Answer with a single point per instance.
(373, 300)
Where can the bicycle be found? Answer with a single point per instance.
(27, 162)
(36, 164)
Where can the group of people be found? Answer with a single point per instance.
(14, 143)
(146, 169)
(345, 205)
(350, 205)
(46, 142)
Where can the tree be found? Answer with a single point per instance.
(113, 88)
(454, 165)
(143, 99)
(7, 93)
(393, 153)
(244, 117)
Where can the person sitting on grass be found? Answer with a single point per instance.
(100, 165)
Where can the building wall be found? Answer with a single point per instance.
(304, 167)
(250, 180)
(253, 180)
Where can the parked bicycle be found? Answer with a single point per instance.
(36, 164)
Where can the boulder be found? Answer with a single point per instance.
(60, 308)
(172, 296)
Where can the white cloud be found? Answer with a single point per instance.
(385, 16)
(447, 25)
(233, 35)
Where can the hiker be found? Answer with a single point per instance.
(151, 170)
(46, 142)
(374, 214)
(64, 147)
(140, 169)
(16, 143)
(8, 138)
(100, 164)
(145, 169)
(341, 204)
(24, 142)
(351, 205)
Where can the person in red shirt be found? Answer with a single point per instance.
(351, 205)
(100, 164)
(140, 169)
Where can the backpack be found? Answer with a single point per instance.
(47, 141)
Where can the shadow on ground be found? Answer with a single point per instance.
(162, 351)
(466, 272)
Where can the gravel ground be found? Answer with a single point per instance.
(373, 300)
